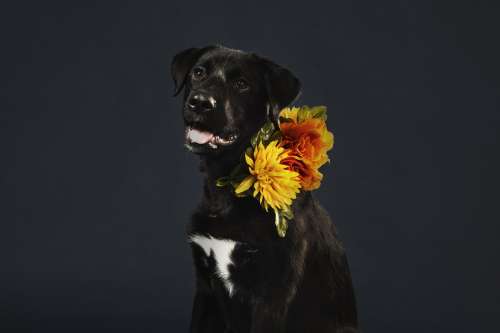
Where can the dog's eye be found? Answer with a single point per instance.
(241, 85)
(199, 73)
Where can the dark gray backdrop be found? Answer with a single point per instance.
(96, 187)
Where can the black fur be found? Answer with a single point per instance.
(300, 283)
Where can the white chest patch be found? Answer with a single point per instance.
(222, 250)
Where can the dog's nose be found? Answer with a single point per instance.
(201, 103)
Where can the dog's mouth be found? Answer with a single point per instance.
(198, 140)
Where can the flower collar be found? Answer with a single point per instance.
(281, 162)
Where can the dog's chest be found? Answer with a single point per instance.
(221, 251)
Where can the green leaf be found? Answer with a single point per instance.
(249, 152)
(318, 112)
(287, 213)
(282, 226)
(263, 134)
(268, 127)
(275, 136)
(222, 181)
(302, 113)
(267, 130)
(255, 139)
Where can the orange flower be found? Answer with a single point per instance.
(309, 140)
(310, 177)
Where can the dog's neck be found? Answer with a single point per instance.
(216, 200)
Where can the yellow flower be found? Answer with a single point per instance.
(274, 184)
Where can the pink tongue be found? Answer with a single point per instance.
(199, 136)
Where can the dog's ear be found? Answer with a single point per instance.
(182, 63)
(282, 85)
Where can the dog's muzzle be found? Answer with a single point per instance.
(206, 130)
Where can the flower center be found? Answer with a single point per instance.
(264, 178)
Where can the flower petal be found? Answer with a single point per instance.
(245, 184)
(249, 160)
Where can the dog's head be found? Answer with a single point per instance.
(228, 95)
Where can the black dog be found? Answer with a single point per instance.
(248, 279)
